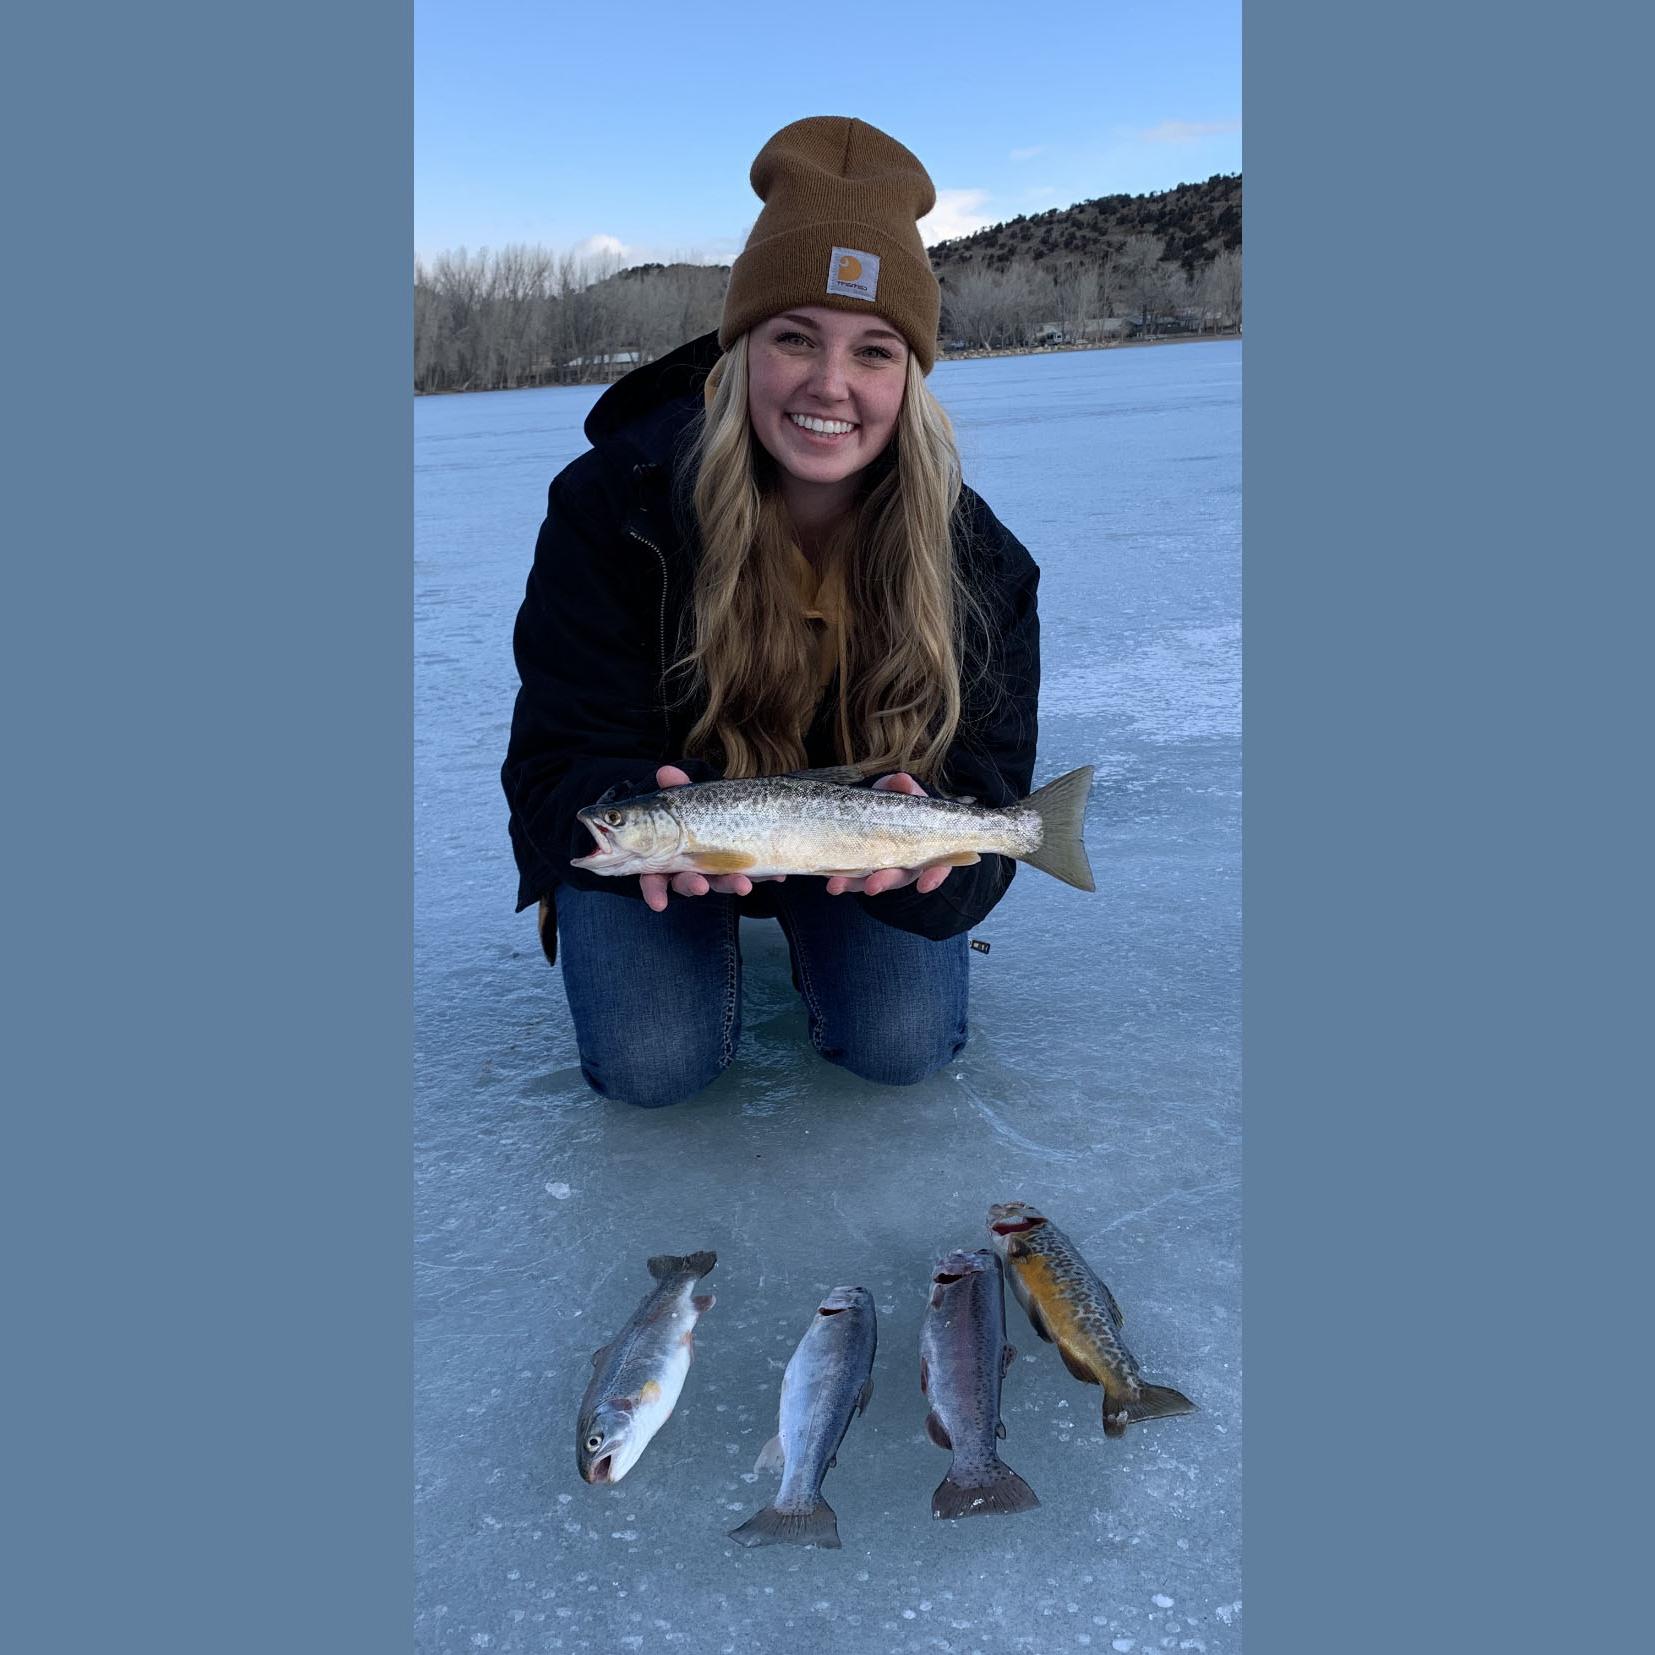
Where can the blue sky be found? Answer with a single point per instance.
(631, 129)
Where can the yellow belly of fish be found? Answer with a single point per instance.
(1059, 1312)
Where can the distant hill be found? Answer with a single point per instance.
(1194, 222)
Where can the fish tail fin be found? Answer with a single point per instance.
(1000, 1493)
(817, 1527)
(664, 1266)
(1152, 1402)
(1061, 806)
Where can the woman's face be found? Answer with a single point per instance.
(823, 391)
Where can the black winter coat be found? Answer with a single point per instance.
(600, 626)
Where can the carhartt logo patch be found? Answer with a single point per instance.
(854, 274)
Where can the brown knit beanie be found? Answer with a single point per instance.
(839, 228)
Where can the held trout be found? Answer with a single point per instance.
(963, 1360)
(637, 1376)
(813, 823)
(828, 1380)
(1071, 1308)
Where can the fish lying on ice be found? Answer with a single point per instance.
(1070, 1307)
(813, 823)
(637, 1376)
(963, 1360)
(828, 1380)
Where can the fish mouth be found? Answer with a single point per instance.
(605, 850)
(1011, 1217)
(957, 1266)
(598, 1471)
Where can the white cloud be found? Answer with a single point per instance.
(1186, 132)
(957, 213)
(595, 246)
(1029, 153)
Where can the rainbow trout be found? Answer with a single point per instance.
(963, 1360)
(1070, 1307)
(828, 1381)
(814, 823)
(637, 1376)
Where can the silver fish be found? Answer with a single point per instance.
(827, 1382)
(813, 823)
(637, 1376)
(1069, 1305)
(963, 1361)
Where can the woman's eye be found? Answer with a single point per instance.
(879, 350)
(791, 339)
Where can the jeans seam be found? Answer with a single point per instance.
(732, 983)
(807, 986)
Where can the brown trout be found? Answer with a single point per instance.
(827, 1383)
(814, 823)
(1070, 1307)
(637, 1376)
(963, 1359)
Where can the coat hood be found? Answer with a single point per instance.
(654, 402)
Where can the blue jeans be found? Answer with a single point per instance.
(656, 998)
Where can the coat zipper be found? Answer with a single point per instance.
(666, 722)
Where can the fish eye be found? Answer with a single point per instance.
(612, 817)
(594, 1443)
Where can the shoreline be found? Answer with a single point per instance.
(975, 354)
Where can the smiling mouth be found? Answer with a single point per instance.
(824, 430)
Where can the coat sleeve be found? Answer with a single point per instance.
(589, 714)
(992, 759)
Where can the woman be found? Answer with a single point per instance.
(765, 563)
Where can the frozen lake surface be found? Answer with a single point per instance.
(1101, 1084)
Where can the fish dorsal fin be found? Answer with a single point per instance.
(1109, 1304)
(771, 1456)
(843, 775)
(1000, 1430)
(1008, 1356)
(599, 1354)
(925, 1376)
(937, 1431)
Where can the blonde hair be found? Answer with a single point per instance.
(905, 604)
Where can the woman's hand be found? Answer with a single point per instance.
(892, 879)
(654, 885)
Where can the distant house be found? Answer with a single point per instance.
(615, 359)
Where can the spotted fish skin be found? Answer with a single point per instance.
(638, 1375)
(816, 823)
(1068, 1304)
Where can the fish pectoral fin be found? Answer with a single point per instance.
(703, 1302)
(937, 1431)
(1000, 1430)
(772, 1457)
(1038, 1322)
(865, 1397)
(1007, 1357)
(722, 861)
(599, 1354)
(1076, 1365)
(924, 1376)
(936, 1298)
(956, 859)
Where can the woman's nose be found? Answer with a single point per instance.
(832, 377)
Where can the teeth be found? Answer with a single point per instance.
(827, 427)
